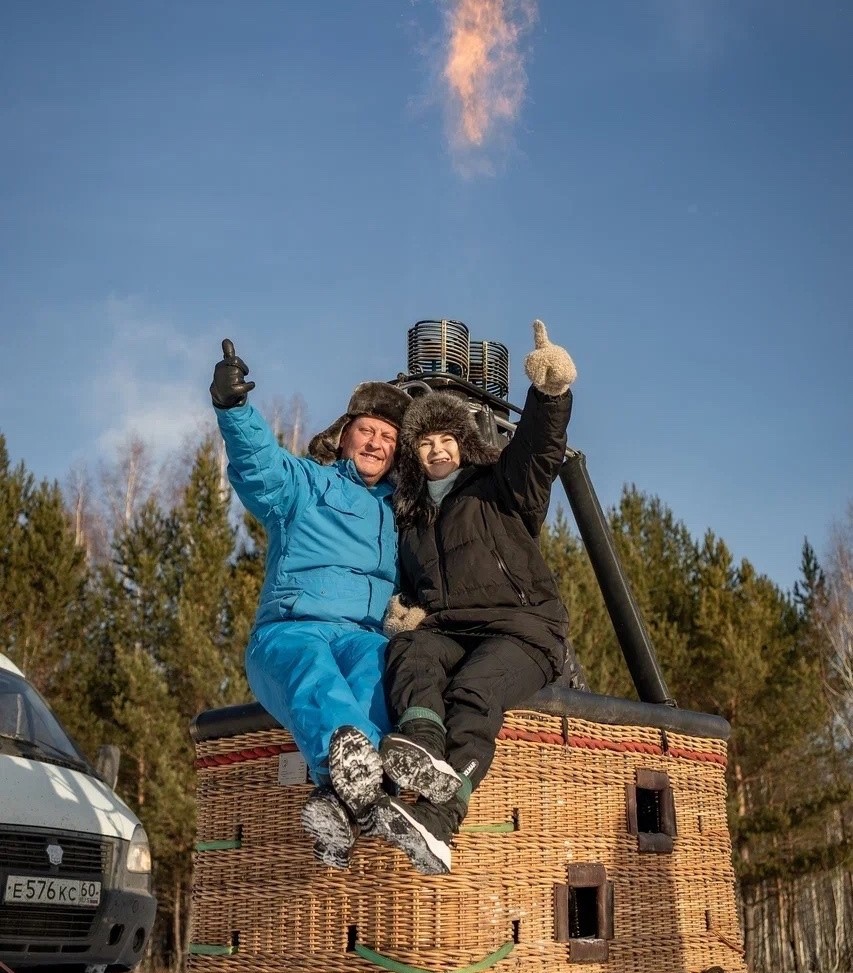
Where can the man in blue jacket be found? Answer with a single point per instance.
(316, 654)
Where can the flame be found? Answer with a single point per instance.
(484, 70)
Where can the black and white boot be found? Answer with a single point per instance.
(356, 769)
(423, 831)
(416, 767)
(326, 820)
(330, 856)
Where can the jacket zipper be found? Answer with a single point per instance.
(442, 573)
(515, 586)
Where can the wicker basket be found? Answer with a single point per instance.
(593, 844)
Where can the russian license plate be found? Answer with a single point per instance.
(51, 891)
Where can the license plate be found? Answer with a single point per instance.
(51, 891)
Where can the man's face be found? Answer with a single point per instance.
(370, 444)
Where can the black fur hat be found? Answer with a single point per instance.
(431, 413)
(377, 399)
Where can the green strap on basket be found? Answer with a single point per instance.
(205, 949)
(503, 828)
(391, 964)
(223, 844)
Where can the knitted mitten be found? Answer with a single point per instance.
(400, 617)
(549, 367)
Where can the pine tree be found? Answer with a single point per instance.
(133, 626)
(590, 629)
(659, 558)
(205, 661)
(42, 583)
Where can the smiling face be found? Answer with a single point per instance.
(439, 454)
(370, 444)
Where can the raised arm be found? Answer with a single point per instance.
(531, 461)
(262, 473)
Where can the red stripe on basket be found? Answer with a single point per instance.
(507, 733)
(243, 756)
(711, 758)
(591, 743)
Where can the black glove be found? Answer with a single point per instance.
(228, 387)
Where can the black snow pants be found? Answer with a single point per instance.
(468, 681)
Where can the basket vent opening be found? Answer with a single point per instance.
(648, 811)
(650, 806)
(583, 913)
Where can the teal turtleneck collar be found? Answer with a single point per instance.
(438, 489)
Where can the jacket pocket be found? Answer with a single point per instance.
(346, 502)
(516, 587)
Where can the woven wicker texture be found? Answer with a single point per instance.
(558, 787)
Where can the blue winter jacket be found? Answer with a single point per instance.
(332, 543)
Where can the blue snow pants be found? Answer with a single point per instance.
(316, 676)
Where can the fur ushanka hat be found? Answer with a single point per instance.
(433, 412)
(377, 399)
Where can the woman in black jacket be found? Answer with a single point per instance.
(490, 626)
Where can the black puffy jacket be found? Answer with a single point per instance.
(474, 563)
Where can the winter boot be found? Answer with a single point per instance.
(413, 758)
(366, 822)
(325, 819)
(423, 831)
(331, 857)
(355, 768)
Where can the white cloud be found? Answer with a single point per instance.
(152, 378)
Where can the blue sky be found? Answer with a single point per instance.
(670, 188)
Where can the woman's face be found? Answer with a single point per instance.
(439, 455)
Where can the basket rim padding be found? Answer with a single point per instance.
(554, 699)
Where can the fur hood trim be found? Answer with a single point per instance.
(377, 399)
(434, 412)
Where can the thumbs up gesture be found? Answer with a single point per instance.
(549, 367)
(229, 386)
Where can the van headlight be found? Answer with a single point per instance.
(139, 852)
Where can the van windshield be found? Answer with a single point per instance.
(26, 719)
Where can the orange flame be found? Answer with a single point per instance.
(485, 68)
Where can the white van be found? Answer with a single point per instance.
(75, 867)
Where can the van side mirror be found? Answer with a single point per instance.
(107, 762)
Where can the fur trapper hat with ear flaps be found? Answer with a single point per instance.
(377, 399)
(431, 413)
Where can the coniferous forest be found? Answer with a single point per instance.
(127, 594)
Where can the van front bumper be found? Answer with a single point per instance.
(116, 937)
